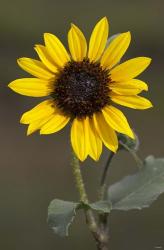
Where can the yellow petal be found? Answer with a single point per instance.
(45, 58)
(98, 39)
(106, 133)
(116, 50)
(77, 43)
(32, 87)
(92, 140)
(41, 111)
(56, 123)
(135, 102)
(129, 69)
(116, 119)
(131, 87)
(78, 139)
(35, 68)
(56, 50)
(36, 125)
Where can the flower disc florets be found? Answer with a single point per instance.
(82, 88)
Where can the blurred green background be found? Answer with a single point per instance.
(35, 169)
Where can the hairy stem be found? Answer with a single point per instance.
(79, 179)
(98, 234)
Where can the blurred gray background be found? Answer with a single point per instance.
(35, 169)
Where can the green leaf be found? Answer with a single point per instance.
(141, 189)
(60, 215)
(101, 206)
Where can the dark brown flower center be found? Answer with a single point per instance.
(82, 88)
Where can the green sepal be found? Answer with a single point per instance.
(131, 144)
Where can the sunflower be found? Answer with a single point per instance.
(83, 85)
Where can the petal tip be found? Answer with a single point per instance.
(36, 46)
(147, 60)
(128, 33)
(10, 85)
(43, 132)
(150, 60)
(79, 156)
(73, 25)
(70, 31)
(96, 158)
(151, 105)
(23, 120)
(132, 135)
(127, 36)
(145, 87)
(30, 131)
(105, 18)
(114, 149)
(82, 158)
(46, 35)
(19, 60)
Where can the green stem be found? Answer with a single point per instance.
(104, 176)
(103, 217)
(82, 192)
(79, 179)
(100, 238)
(133, 153)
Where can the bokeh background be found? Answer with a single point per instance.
(35, 169)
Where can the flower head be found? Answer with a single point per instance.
(83, 86)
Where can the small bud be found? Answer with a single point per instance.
(132, 144)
